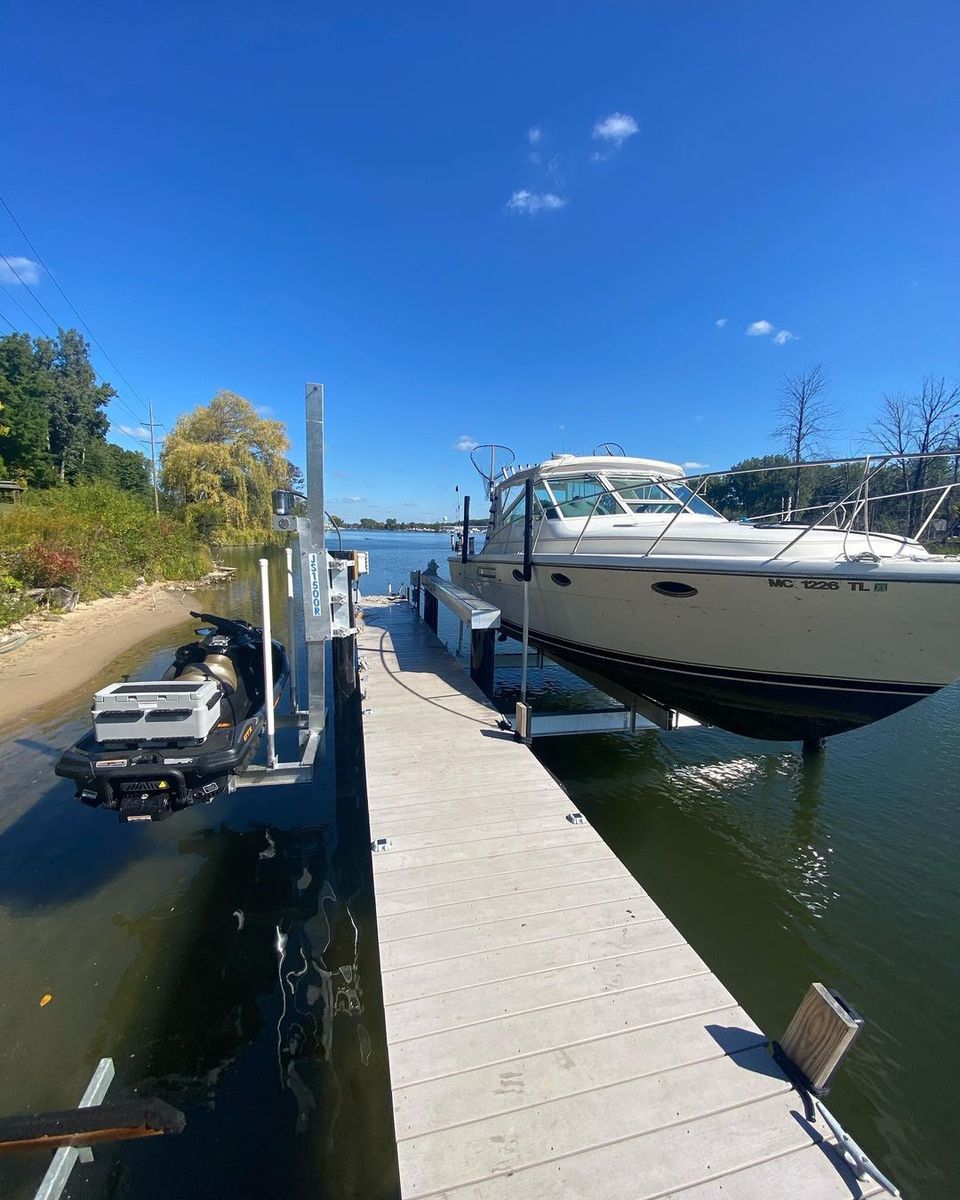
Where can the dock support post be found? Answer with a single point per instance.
(482, 651)
(814, 745)
(430, 610)
(465, 549)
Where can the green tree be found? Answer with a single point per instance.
(25, 390)
(76, 401)
(128, 470)
(223, 461)
(752, 495)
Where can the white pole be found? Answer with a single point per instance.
(292, 632)
(267, 661)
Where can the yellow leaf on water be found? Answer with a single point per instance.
(45, 999)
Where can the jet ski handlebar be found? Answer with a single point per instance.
(225, 625)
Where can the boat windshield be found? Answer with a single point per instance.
(641, 495)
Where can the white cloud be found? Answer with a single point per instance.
(783, 337)
(759, 329)
(465, 442)
(613, 131)
(694, 466)
(134, 431)
(26, 268)
(263, 410)
(721, 323)
(534, 135)
(525, 201)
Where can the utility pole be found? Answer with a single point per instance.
(153, 461)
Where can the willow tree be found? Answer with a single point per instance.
(222, 461)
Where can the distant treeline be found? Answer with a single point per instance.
(391, 523)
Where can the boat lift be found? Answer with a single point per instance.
(318, 602)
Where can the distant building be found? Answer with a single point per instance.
(10, 493)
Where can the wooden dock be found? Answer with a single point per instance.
(551, 1034)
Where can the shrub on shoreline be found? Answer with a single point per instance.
(95, 538)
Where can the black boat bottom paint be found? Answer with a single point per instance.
(776, 709)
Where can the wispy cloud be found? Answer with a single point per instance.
(525, 201)
(534, 135)
(134, 431)
(14, 269)
(721, 323)
(759, 329)
(783, 336)
(612, 132)
(263, 410)
(694, 466)
(348, 499)
(465, 442)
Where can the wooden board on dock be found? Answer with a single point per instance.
(551, 1034)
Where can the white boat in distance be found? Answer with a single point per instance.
(779, 631)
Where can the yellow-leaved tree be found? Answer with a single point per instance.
(222, 461)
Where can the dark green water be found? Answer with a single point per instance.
(779, 870)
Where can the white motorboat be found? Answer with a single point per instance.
(784, 630)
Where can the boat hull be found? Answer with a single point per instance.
(797, 654)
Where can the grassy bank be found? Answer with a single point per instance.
(93, 538)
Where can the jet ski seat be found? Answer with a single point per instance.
(214, 666)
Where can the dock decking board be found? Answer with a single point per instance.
(551, 1034)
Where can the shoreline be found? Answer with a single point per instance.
(68, 652)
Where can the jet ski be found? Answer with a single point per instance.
(158, 746)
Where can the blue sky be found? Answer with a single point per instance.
(510, 222)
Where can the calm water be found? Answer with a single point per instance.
(268, 1033)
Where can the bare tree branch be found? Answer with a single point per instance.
(806, 419)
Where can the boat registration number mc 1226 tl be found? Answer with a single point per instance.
(826, 585)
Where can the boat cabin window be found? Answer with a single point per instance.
(643, 495)
(578, 496)
(694, 503)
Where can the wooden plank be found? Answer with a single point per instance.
(469, 1046)
(494, 909)
(514, 962)
(538, 991)
(582, 1122)
(517, 931)
(819, 1035)
(535, 1079)
(89, 1126)
(512, 883)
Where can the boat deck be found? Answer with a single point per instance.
(551, 1033)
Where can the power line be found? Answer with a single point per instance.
(7, 321)
(36, 298)
(73, 307)
(93, 338)
(33, 321)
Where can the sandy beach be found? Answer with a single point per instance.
(73, 647)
